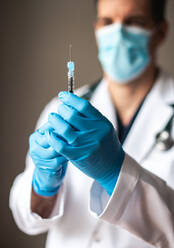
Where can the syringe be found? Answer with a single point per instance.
(71, 68)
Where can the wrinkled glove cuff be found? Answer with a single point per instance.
(43, 192)
(47, 184)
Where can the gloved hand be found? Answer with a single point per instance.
(84, 136)
(50, 167)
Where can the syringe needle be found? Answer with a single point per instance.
(70, 51)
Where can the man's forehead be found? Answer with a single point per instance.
(124, 7)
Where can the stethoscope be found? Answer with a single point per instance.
(163, 140)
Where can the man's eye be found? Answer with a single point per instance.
(139, 23)
(103, 22)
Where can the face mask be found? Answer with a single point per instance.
(123, 51)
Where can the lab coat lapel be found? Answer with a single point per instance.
(151, 119)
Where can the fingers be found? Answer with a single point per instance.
(42, 154)
(41, 139)
(74, 118)
(36, 150)
(62, 128)
(50, 164)
(61, 147)
(81, 105)
(77, 118)
(58, 144)
(70, 152)
(44, 128)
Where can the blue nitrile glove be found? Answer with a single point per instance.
(86, 138)
(50, 167)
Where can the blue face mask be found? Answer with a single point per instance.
(123, 51)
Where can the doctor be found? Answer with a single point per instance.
(95, 176)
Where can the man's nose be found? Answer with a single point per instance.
(118, 20)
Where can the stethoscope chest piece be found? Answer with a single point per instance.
(164, 141)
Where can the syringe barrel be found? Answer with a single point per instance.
(71, 68)
(70, 83)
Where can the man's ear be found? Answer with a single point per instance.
(162, 32)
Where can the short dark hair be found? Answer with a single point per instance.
(158, 8)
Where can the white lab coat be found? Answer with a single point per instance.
(140, 212)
